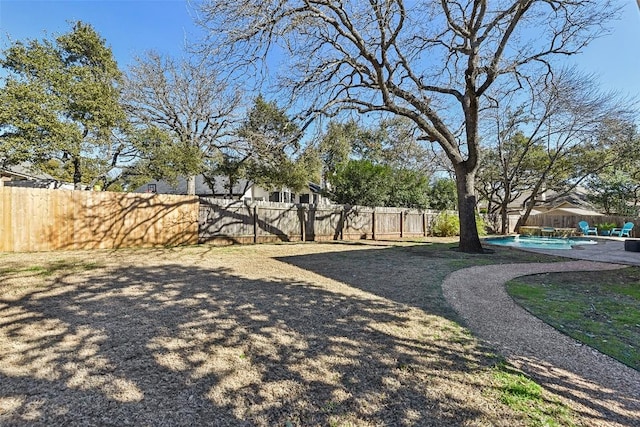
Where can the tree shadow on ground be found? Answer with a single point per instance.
(173, 344)
(398, 274)
(412, 276)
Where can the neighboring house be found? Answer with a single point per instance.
(239, 190)
(23, 175)
(566, 208)
(573, 204)
(242, 190)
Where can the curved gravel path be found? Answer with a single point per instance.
(603, 390)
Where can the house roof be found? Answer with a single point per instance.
(25, 175)
(577, 198)
(26, 170)
(571, 211)
(316, 188)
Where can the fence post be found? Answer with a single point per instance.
(343, 218)
(301, 217)
(424, 224)
(255, 224)
(401, 224)
(373, 224)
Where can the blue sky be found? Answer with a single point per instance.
(130, 27)
(134, 26)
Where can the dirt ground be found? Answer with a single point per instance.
(266, 335)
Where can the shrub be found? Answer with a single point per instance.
(446, 224)
(606, 226)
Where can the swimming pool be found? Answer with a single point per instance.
(537, 242)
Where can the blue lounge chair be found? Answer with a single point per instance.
(624, 231)
(586, 230)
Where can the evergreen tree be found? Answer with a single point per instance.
(61, 105)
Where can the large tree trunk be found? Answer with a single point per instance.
(77, 173)
(504, 208)
(191, 185)
(465, 182)
(504, 218)
(532, 200)
(232, 182)
(522, 221)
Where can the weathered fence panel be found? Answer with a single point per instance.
(43, 220)
(358, 223)
(35, 219)
(323, 222)
(226, 221)
(388, 223)
(414, 224)
(278, 222)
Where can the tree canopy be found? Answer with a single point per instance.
(615, 188)
(269, 143)
(381, 163)
(442, 195)
(265, 150)
(61, 105)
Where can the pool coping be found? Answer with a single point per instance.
(576, 246)
(608, 250)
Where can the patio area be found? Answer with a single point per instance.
(608, 249)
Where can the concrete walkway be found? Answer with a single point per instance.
(605, 392)
(607, 250)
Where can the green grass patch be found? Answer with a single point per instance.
(600, 309)
(526, 397)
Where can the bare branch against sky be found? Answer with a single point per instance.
(433, 62)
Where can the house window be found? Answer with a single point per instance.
(304, 198)
(274, 197)
(151, 188)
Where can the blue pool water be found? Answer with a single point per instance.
(537, 242)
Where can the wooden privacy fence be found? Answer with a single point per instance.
(571, 221)
(225, 221)
(45, 220)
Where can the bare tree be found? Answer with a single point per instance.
(188, 102)
(551, 141)
(432, 61)
(582, 131)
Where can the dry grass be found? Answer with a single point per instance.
(286, 335)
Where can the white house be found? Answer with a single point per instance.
(242, 190)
